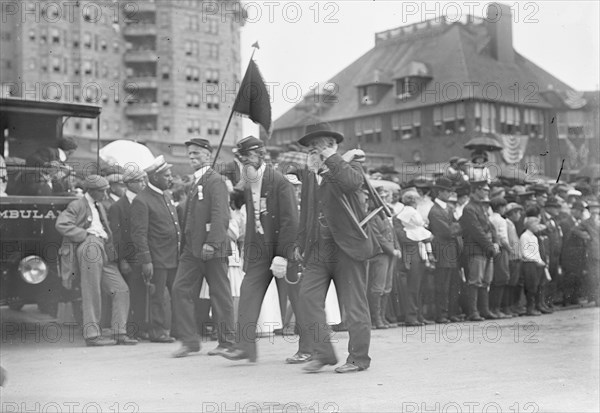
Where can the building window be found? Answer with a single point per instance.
(570, 124)
(212, 76)
(510, 120)
(485, 117)
(87, 40)
(188, 48)
(87, 67)
(533, 123)
(188, 100)
(212, 26)
(449, 118)
(166, 98)
(193, 22)
(56, 61)
(89, 124)
(406, 87)
(214, 128)
(193, 126)
(55, 34)
(44, 64)
(166, 72)
(116, 47)
(31, 64)
(213, 51)
(407, 125)
(103, 45)
(365, 98)
(76, 40)
(368, 130)
(188, 73)
(195, 74)
(32, 35)
(77, 125)
(212, 102)
(43, 36)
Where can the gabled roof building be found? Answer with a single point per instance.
(425, 89)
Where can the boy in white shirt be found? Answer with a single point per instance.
(533, 265)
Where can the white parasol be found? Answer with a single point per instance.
(127, 154)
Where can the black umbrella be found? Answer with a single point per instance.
(484, 143)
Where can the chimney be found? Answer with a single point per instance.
(499, 24)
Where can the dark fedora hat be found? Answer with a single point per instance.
(203, 143)
(317, 130)
(249, 143)
(443, 184)
(552, 202)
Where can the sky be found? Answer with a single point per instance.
(305, 43)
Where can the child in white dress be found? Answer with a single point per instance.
(414, 226)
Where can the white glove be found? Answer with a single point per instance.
(353, 154)
(279, 267)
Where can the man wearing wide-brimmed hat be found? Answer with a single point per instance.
(87, 252)
(480, 249)
(157, 240)
(205, 251)
(445, 249)
(271, 229)
(332, 245)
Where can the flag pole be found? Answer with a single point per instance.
(254, 46)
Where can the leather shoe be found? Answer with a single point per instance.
(414, 324)
(217, 351)
(455, 319)
(425, 321)
(442, 321)
(163, 339)
(236, 354)
(184, 351)
(349, 368)
(99, 342)
(142, 335)
(125, 340)
(299, 358)
(315, 366)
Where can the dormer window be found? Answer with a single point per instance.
(365, 98)
(406, 87)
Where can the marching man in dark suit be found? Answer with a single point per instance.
(87, 252)
(271, 228)
(119, 218)
(156, 236)
(332, 245)
(205, 248)
(444, 246)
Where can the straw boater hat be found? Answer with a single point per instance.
(318, 130)
(158, 165)
(132, 176)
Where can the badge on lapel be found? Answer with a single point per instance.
(200, 193)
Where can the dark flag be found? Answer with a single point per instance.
(253, 98)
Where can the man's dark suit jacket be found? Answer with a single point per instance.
(444, 242)
(478, 232)
(118, 216)
(206, 220)
(280, 219)
(155, 229)
(342, 178)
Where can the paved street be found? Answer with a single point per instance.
(535, 364)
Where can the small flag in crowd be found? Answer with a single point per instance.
(253, 98)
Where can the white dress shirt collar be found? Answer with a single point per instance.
(200, 173)
(441, 203)
(155, 189)
(130, 195)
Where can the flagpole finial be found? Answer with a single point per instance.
(255, 45)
